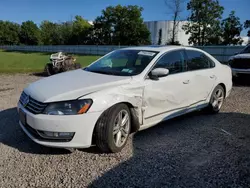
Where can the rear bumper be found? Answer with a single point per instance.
(81, 125)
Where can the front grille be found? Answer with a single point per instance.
(240, 63)
(31, 104)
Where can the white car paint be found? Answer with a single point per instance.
(72, 85)
(153, 101)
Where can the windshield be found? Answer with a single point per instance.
(246, 50)
(123, 62)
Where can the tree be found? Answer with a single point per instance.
(30, 33)
(121, 25)
(50, 33)
(160, 37)
(231, 29)
(204, 21)
(65, 32)
(9, 33)
(175, 7)
(246, 26)
(80, 30)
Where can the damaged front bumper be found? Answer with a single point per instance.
(40, 128)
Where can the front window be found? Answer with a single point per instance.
(123, 62)
(173, 61)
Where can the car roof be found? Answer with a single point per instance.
(159, 48)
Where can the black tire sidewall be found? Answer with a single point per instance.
(49, 69)
(78, 66)
(111, 142)
(109, 138)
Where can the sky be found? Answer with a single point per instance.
(64, 10)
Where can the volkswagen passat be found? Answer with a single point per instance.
(125, 91)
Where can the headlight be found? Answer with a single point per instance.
(68, 107)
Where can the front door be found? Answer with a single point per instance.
(171, 92)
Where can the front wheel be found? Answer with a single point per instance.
(216, 100)
(113, 128)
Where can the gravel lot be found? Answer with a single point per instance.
(196, 150)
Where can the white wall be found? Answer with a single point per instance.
(166, 26)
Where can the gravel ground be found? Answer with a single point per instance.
(196, 150)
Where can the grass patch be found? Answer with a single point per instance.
(18, 62)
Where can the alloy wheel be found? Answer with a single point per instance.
(121, 128)
(218, 98)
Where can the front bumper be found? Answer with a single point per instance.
(240, 71)
(82, 125)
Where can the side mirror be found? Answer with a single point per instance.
(158, 72)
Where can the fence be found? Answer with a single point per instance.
(222, 53)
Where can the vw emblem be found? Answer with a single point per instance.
(26, 100)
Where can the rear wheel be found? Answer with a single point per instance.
(113, 128)
(77, 66)
(216, 100)
(49, 69)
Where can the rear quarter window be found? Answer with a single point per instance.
(198, 60)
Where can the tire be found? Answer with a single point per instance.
(49, 69)
(216, 100)
(78, 66)
(110, 123)
(66, 68)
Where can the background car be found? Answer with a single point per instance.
(125, 91)
(240, 63)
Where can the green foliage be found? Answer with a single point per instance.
(29, 33)
(9, 33)
(231, 28)
(121, 25)
(50, 33)
(65, 32)
(80, 30)
(204, 25)
(246, 26)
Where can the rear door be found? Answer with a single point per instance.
(203, 69)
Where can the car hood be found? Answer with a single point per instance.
(72, 85)
(240, 56)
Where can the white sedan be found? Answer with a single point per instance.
(125, 91)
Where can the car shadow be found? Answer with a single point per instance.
(12, 135)
(242, 80)
(39, 74)
(195, 150)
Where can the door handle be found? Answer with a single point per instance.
(212, 76)
(186, 82)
